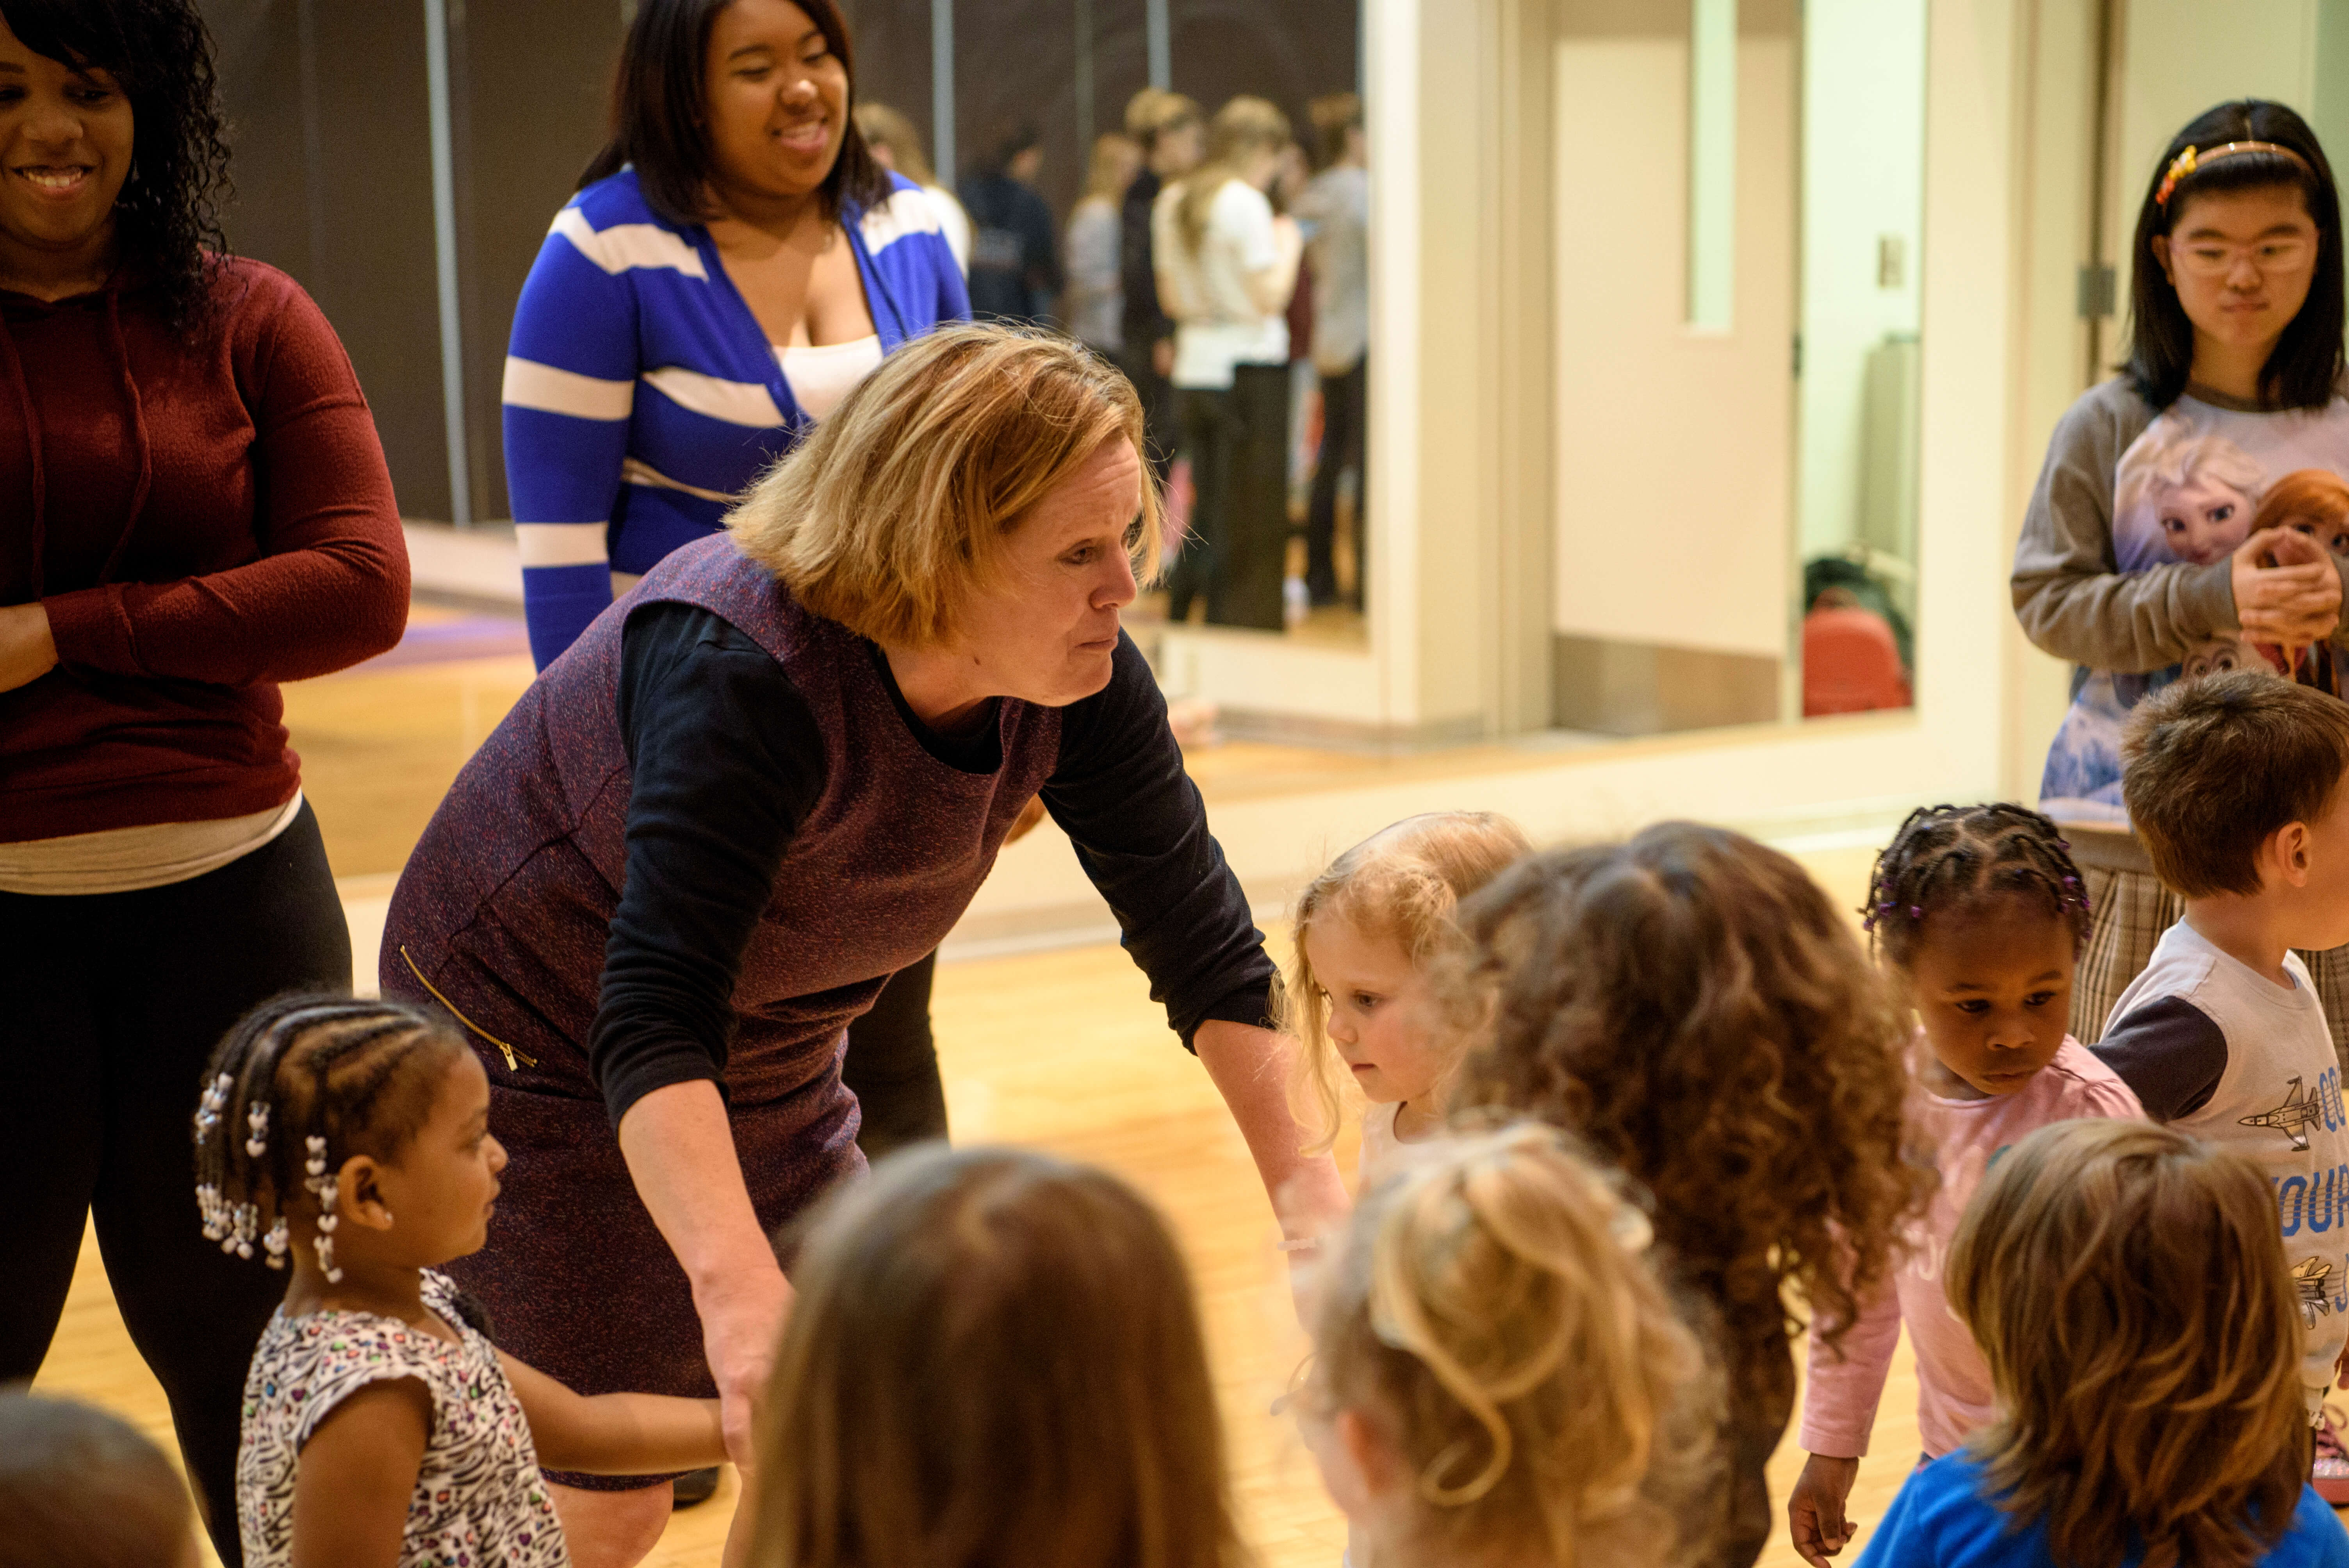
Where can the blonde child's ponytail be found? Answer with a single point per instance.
(1493, 1302)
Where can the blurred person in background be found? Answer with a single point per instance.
(1096, 303)
(1015, 259)
(1171, 133)
(1334, 214)
(1226, 264)
(897, 146)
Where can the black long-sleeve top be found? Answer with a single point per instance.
(728, 761)
(1145, 322)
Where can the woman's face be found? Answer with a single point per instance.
(2332, 532)
(2203, 520)
(775, 98)
(1047, 632)
(65, 150)
(2241, 261)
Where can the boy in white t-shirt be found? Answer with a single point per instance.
(2233, 783)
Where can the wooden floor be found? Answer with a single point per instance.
(1062, 1050)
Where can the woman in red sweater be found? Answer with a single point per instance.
(193, 507)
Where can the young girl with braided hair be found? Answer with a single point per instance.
(348, 1141)
(1691, 1006)
(1976, 916)
(1359, 997)
(1498, 1376)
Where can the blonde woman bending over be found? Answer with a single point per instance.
(995, 1359)
(1498, 1378)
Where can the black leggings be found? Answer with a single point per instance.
(112, 1004)
(892, 1066)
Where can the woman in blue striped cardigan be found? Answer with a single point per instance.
(734, 261)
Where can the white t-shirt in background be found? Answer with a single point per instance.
(1217, 324)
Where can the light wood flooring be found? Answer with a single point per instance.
(1062, 1050)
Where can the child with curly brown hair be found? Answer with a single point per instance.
(1692, 1006)
(1977, 915)
(1498, 1376)
(2127, 1288)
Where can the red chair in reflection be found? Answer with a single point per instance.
(1850, 663)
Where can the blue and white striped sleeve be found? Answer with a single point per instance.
(570, 388)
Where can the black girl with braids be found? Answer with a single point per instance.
(351, 1137)
(1976, 916)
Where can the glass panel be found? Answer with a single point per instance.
(1857, 399)
(1712, 162)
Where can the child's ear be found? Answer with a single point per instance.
(361, 1197)
(2289, 853)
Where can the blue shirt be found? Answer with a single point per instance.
(1944, 1519)
(642, 395)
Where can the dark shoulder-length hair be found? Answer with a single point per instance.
(167, 219)
(2305, 368)
(657, 122)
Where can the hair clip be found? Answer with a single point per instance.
(316, 1165)
(324, 1240)
(2180, 167)
(280, 1237)
(208, 1108)
(1916, 911)
(214, 1211)
(257, 1119)
(245, 1223)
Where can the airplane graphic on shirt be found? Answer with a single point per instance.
(2300, 1112)
(2308, 1277)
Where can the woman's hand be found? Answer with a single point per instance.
(742, 1325)
(27, 651)
(680, 1151)
(1814, 1516)
(2287, 589)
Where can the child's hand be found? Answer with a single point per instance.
(1814, 1516)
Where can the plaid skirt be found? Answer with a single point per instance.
(2131, 910)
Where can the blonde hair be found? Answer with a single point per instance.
(2128, 1287)
(1491, 1300)
(1401, 883)
(893, 513)
(994, 1358)
(2177, 456)
(882, 126)
(1154, 109)
(1241, 127)
(1115, 159)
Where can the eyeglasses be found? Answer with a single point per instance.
(2207, 258)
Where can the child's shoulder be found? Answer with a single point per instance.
(2077, 1083)
(1943, 1513)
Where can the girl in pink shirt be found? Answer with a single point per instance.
(1977, 914)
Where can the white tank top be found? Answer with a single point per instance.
(819, 377)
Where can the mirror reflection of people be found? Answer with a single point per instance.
(1171, 131)
(732, 263)
(2235, 337)
(897, 148)
(195, 507)
(1335, 215)
(701, 842)
(1226, 264)
(1015, 257)
(1096, 303)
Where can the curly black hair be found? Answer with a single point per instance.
(159, 53)
(1947, 857)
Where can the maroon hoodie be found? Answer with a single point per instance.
(203, 516)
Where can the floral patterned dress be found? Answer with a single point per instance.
(480, 1501)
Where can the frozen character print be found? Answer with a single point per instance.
(2199, 492)
(2219, 654)
(2314, 502)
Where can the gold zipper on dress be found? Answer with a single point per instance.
(511, 1051)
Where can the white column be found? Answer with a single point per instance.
(444, 263)
(942, 91)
